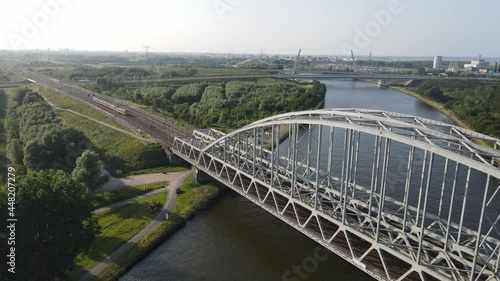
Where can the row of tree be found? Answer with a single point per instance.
(54, 224)
(396, 63)
(56, 174)
(3, 108)
(476, 102)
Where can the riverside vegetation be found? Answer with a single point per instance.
(224, 104)
(474, 102)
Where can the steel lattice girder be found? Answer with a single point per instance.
(234, 160)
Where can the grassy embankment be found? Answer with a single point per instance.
(194, 197)
(117, 227)
(107, 198)
(119, 151)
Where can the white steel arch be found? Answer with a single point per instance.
(377, 216)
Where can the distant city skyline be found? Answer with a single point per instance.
(383, 27)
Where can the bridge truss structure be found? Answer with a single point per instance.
(400, 197)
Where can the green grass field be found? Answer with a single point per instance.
(117, 227)
(118, 151)
(194, 197)
(107, 198)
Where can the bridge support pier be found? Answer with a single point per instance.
(173, 159)
(200, 176)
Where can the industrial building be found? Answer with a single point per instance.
(475, 65)
(438, 62)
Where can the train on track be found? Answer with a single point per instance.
(111, 106)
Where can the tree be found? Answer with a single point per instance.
(15, 151)
(54, 224)
(435, 93)
(421, 71)
(35, 157)
(88, 170)
(32, 97)
(431, 90)
(11, 125)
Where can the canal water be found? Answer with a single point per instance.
(235, 240)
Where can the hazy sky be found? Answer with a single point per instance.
(329, 27)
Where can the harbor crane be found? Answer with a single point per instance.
(354, 64)
(296, 62)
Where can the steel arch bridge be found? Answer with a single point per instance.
(398, 196)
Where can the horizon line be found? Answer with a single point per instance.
(237, 53)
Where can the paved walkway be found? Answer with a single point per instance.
(117, 183)
(167, 207)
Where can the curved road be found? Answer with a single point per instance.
(167, 207)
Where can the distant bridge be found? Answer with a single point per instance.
(318, 75)
(398, 196)
(251, 60)
(307, 75)
(360, 75)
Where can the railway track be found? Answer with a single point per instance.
(162, 129)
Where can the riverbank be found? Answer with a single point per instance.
(434, 104)
(193, 197)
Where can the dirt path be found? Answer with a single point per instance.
(121, 203)
(167, 207)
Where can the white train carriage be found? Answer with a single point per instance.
(111, 106)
